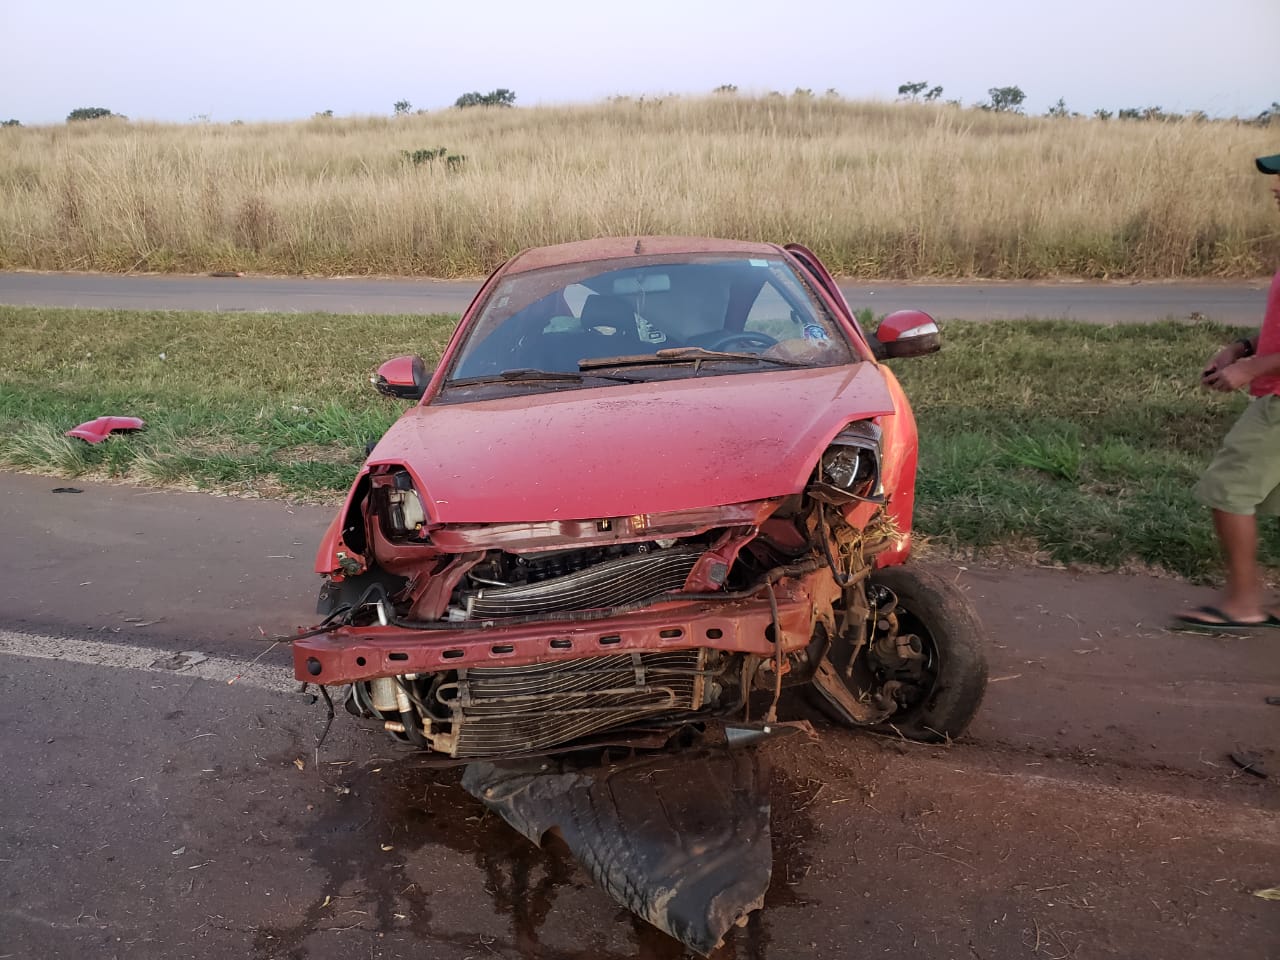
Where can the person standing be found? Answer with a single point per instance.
(1243, 481)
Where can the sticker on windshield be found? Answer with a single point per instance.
(813, 331)
(758, 263)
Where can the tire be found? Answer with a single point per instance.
(949, 628)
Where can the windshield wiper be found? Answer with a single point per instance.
(683, 355)
(531, 375)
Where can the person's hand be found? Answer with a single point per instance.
(1221, 360)
(1228, 354)
(1229, 377)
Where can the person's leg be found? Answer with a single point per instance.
(1268, 512)
(1238, 535)
(1241, 482)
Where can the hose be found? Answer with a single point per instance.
(842, 579)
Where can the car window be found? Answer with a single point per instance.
(556, 318)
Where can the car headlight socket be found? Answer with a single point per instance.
(849, 468)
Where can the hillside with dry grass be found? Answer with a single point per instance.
(878, 190)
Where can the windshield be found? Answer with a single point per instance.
(696, 315)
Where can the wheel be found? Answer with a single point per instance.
(748, 338)
(940, 681)
(921, 672)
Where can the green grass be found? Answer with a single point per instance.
(250, 403)
(1083, 441)
(1080, 441)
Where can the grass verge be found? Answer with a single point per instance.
(268, 404)
(1080, 441)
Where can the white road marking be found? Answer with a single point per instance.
(125, 657)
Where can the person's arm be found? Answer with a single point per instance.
(1256, 367)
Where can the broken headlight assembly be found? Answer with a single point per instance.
(849, 468)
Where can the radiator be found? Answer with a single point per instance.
(609, 584)
(504, 710)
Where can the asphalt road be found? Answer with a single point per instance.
(152, 809)
(1238, 303)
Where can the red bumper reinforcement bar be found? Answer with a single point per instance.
(363, 653)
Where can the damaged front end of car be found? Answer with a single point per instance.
(652, 483)
(505, 640)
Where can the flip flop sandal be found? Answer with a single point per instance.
(1211, 618)
(1250, 762)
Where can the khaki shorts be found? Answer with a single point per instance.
(1244, 476)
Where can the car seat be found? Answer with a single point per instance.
(607, 329)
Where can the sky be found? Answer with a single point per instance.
(283, 59)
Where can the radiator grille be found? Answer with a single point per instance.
(609, 584)
(501, 710)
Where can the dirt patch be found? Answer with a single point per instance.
(1046, 859)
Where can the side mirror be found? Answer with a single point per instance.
(906, 333)
(402, 377)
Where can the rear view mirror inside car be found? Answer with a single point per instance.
(649, 283)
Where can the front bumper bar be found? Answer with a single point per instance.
(349, 654)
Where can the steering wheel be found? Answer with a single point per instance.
(748, 338)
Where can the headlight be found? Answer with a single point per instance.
(850, 467)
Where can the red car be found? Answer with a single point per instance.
(651, 483)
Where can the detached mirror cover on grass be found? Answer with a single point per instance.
(98, 429)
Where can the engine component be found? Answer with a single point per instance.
(615, 582)
(383, 695)
(403, 517)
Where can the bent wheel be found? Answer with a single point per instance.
(940, 684)
(922, 672)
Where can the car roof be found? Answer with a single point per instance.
(616, 248)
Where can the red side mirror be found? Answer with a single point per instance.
(95, 431)
(402, 377)
(907, 333)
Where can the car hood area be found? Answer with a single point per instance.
(629, 449)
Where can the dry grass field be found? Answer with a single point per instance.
(879, 190)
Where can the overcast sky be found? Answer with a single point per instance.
(284, 59)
